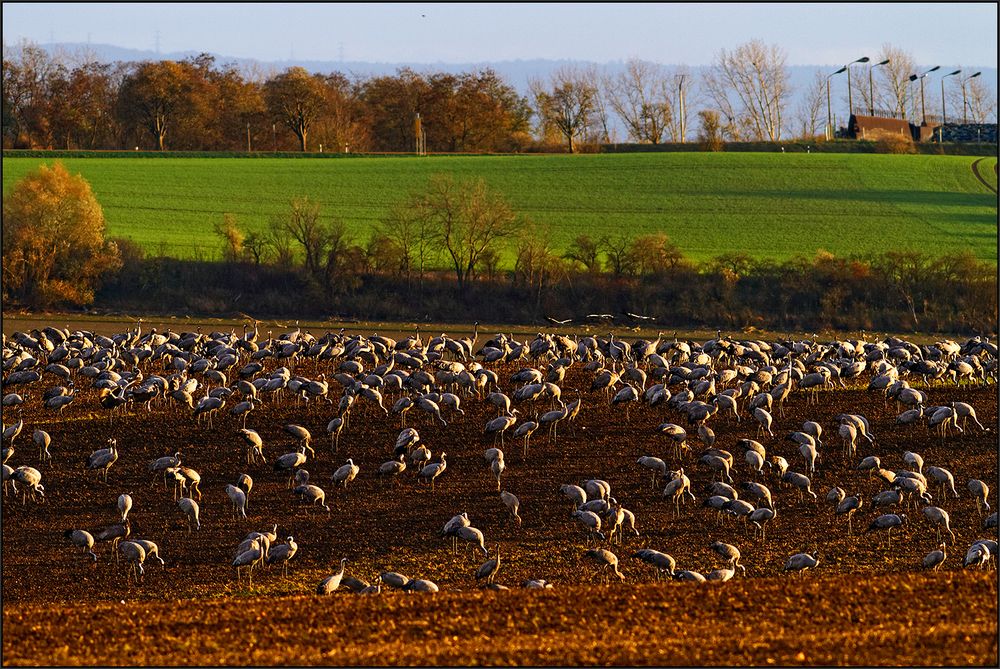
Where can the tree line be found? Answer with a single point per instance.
(57, 102)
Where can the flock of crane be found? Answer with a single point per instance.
(721, 382)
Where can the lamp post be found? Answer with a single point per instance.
(871, 87)
(914, 77)
(965, 113)
(944, 111)
(829, 116)
(850, 100)
(680, 97)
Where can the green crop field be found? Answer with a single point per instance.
(769, 205)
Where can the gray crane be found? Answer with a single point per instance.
(591, 523)
(526, 429)
(102, 459)
(657, 466)
(489, 569)
(302, 434)
(394, 579)
(161, 465)
(473, 536)
(421, 585)
(939, 518)
(331, 583)
(31, 479)
(391, 469)
(759, 518)
(887, 522)
(499, 425)
(512, 504)
(944, 479)
(82, 539)
(432, 471)
(289, 462)
(282, 554)
(114, 534)
(936, 558)
(190, 509)
(980, 492)
(677, 436)
(152, 551)
(312, 494)
(800, 481)
(239, 499)
(729, 553)
(42, 439)
(345, 473)
(661, 562)
(576, 495)
(135, 556)
(849, 506)
(497, 466)
(452, 526)
(254, 445)
(124, 505)
(253, 555)
(606, 561)
(800, 562)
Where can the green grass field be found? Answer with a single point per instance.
(769, 205)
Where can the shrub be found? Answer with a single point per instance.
(54, 250)
(894, 143)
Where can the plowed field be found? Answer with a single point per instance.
(863, 604)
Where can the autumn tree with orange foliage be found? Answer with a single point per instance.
(54, 249)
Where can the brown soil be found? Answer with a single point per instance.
(863, 605)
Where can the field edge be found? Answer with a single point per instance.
(854, 620)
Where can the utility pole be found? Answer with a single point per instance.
(421, 138)
(683, 113)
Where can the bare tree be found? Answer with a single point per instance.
(811, 108)
(536, 264)
(982, 101)
(618, 250)
(892, 83)
(567, 103)
(414, 236)
(602, 121)
(471, 221)
(750, 87)
(642, 97)
(303, 224)
(585, 251)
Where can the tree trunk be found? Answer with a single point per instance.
(302, 135)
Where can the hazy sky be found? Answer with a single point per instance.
(811, 34)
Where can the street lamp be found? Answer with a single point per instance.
(850, 100)
(914, 77)
(829, 116)
(965, 113)
(871, 87)
(944, 112)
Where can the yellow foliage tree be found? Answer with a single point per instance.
(54, 249)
